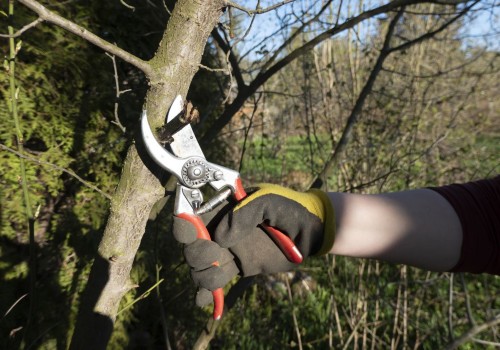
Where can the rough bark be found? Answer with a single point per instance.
(173, 67)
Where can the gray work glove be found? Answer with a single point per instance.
(242, 247)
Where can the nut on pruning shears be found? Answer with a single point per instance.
(193, 171)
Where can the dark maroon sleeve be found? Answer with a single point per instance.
(477, 204)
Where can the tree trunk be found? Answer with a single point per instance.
(173, 67)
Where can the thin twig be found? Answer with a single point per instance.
(127, 5)
(434, 32)
(14, 305)
(258, 10)
(486, 342)
(472, 332)
(358, 106)
(166, 8)
(163, 317)
(223, 70)
(231, 60)
(23, 29)
(450, 308)
(74, 28)
(140, 297)
(247, 130)
(470, 315)
(294, 316)
(118, 93)
(57, 167)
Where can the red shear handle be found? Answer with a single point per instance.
(284, 242)
(202, 233)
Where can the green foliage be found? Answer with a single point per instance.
(66, 125)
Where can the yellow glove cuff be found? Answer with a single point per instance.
(328, 221)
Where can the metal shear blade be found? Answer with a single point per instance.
(184, 144)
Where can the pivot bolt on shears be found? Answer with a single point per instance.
(193, 171)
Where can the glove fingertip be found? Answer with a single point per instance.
(204, 297)
(184, 231)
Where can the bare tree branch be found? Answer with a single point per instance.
(264, 76)
(23, 29)
(258, 10)
(49, 16)
(434, 32)
(472, 332)
(356, 111)
(118, 93)
(233, 61)
(297, 32)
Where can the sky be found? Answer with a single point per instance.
(483, 24)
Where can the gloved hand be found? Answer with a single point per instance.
(242, 247)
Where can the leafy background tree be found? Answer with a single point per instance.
(78, 111)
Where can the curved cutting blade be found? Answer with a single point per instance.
(185, 143)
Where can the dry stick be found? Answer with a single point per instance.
(404, 272)
(450, 308)
(294, 316)
(57, 167)
(472, 332)
(14, 305)
(360, 298)
(470, 315)
(49, 16)
(337, 320)
(335, 310)
(418, 313)
(365, 309)
(354, 331)
(377, 305)
(486, 342)
(394, 338)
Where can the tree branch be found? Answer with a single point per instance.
(473, 331)
(23, 29)
(434, 32)
(257, 11)
(49, 16)
(356, 111)
(297, 32)
(262, 77)
(176, 61)
(233, 61)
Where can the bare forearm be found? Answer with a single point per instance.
(418, 228)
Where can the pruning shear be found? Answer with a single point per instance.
(193, 171)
